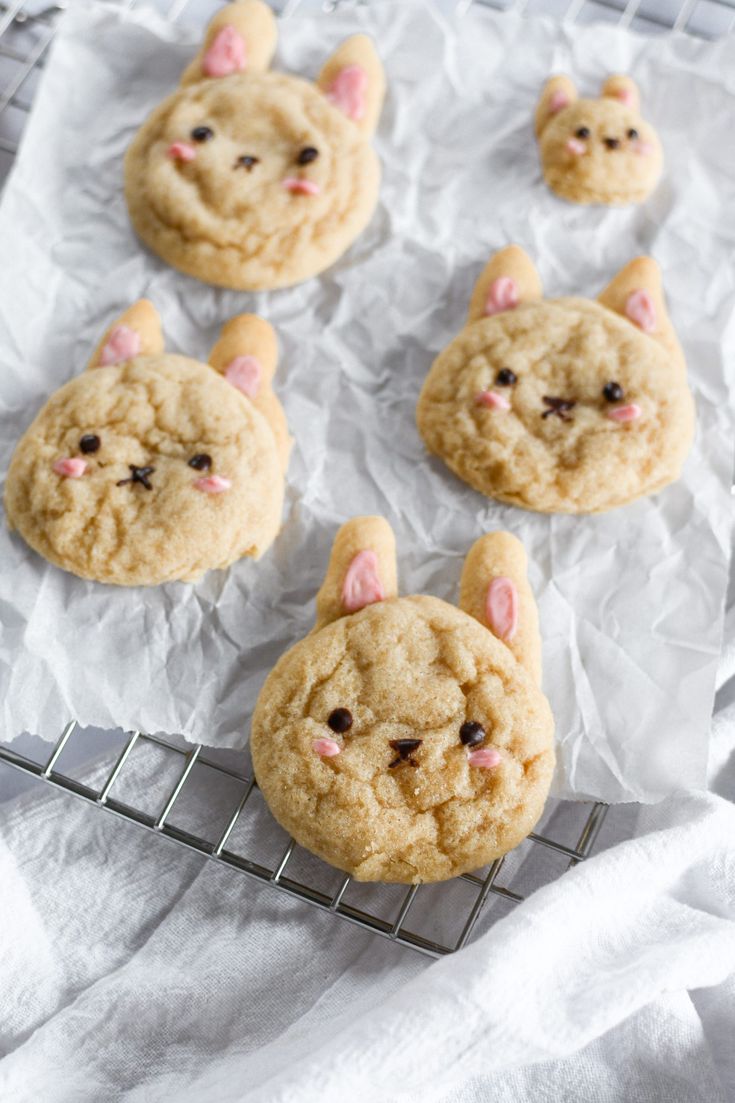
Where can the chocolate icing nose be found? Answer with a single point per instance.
(405, 748)
(138, 475)
(558, 406)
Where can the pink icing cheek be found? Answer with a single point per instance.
(326, 748)
(123, 343)
(486, 758)
(72, 467)
(492, 400)
(577, 147)
(298, 186)
(227, 53)
(643, 149)
(641, 310)
(244, 373)
(213, 484)
(625, 413)
(348, 92)
(502, 295)
(181, 151)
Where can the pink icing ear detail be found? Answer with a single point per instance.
(244, 373)
(502, 295)
(625, 413)
(181, 151)
(558, 102)
(493, 400)
(226, 55)
(484, 757)
(501, 607)
(122, 344)
(326, 748)
(348, 91)
(625, 96)
(213, 484)
(72, 468)
(574, 145)
(641, 310)
(362, 585)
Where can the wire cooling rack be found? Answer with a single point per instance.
(435, 919)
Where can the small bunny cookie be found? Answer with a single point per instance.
(256, 180)
(561, 405)
(597, 151)
(150, 467)
(405, 739)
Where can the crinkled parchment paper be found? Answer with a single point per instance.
(631, 601)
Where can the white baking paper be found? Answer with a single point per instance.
(631, 601)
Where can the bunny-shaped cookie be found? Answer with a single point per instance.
(256, 180)
(150, 467)
(406, 739)
(561, 405)
(597, 151)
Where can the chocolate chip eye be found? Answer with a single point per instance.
(307, 155)
(506, 377)
(340, 720)
(613, 392)
(471, 733)
(632, 134)
(583, 132)
(200, 462)
(202, 133)
(248, 161)
(89, 443)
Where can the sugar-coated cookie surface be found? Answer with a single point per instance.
(150, 467)
(561, 405)
(406, 739)
(255, 180)
(597, 150)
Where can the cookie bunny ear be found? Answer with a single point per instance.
(361, 571)
(494, 590)
(241, 36)
(623, 89)
(354, 81)
(637, 294)
(246, 354)
(558, 93)
(137, 332)
(508, 279)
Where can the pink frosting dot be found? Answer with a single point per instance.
(625, 413)
(326, 748)
(297, 185)
(71, 467)
(213, 484)
(181, 151)
(644, 149)
(123, 343)
(484, 757)
(244, 373)
(348, 91)
(492, 400)
(576, 146)
(226, 54)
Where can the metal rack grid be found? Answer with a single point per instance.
(27, 28)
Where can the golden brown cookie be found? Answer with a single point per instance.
(561, 405)
(151, 467)
(405, 739)
(256, 180)
(597, 150)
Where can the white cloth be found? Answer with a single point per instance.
(133, 971)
